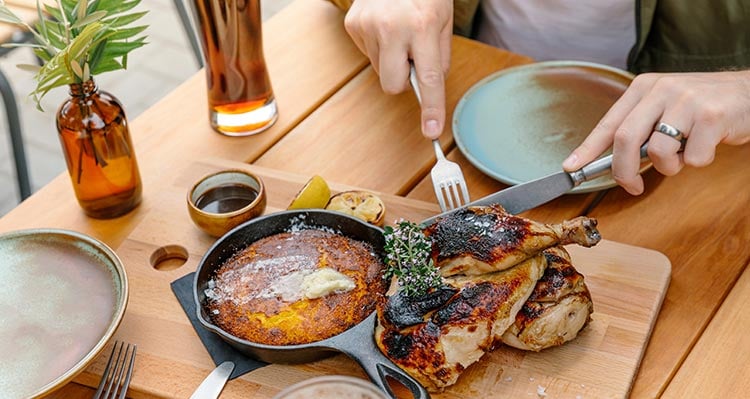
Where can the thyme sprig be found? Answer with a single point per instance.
(408, 259)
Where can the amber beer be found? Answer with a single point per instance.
(240, 98)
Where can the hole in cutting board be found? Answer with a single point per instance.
(169, 257)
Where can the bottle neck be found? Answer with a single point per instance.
(84, 89)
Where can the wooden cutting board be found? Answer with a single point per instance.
(627, 285)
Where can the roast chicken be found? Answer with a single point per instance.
(506, 280)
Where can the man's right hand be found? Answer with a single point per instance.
(390, 33)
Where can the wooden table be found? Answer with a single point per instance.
(335, 121)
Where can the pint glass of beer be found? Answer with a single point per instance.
(240, 98)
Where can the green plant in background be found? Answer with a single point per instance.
(83, 38)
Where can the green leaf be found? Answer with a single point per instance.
(76, 67)
(41, 20)
(117, 49)
(7, 16)
(80, 11)
(41, 91)
(105, 65)
(68, 7)
(42, 54)
(96, 55)
(117, 6)
(122, 20)
(55, 36)
(97, 15)
(53, 11)
(16, 45)
(82, 42)
(126, 33)
(29, 67)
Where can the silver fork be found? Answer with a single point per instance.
(116, 376)
(447, 179)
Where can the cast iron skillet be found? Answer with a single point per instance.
(357, 342)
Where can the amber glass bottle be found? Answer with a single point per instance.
(99, 153)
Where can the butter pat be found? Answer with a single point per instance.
(325, 281)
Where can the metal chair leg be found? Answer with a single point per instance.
(16, 139)
(189, 30)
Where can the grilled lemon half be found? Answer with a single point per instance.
(360, 204)
(315, 194)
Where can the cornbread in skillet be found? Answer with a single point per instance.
(295, 287)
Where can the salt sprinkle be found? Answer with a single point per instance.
(540, 390)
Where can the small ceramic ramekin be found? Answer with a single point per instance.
(223, 200)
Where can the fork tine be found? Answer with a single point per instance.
(112, 378)
(105, 374)
(439, 195)
(126, 383)
(456, 195)
(465, 191)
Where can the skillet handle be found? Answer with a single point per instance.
(360, 346)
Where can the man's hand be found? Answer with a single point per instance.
(708, 108)
(390, 33)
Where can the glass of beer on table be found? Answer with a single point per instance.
(240, 97)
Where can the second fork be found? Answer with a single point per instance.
(117, 373)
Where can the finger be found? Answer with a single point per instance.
(663, 150)
(629, 136)
(354, 26)
(372, 50)
(701, 145)
(446, 39)
(394, 68)
(431, 80)
(602, 136)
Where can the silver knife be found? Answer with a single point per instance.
(525, 196)
(212, 386)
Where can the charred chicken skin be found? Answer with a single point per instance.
(506, 280)
(479, 240)
(437, 345)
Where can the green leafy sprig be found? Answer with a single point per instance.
(82, 38)
(408, 259)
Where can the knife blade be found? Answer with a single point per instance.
(212, 386)
(525, 196)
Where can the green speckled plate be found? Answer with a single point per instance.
(62, 297)
(520, 123)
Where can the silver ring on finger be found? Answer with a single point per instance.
(670, 131)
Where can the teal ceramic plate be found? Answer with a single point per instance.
(520, 123)
(63, 295)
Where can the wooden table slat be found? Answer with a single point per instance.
(717, 366)
(699, 219)
(379, 131)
